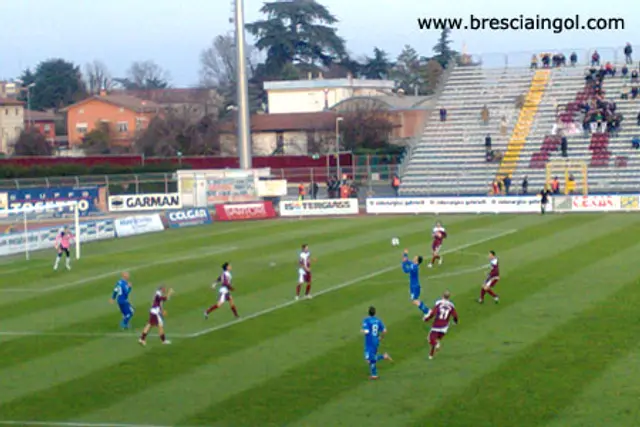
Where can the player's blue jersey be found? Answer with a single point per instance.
(373, 327)
(121, 292)
(413, 270)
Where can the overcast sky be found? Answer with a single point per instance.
(173, 33)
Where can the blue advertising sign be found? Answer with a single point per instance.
(86, 197)
(188, 217)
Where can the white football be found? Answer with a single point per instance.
(395, 241)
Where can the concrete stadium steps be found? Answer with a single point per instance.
(450, 156)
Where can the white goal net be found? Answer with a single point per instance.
(31, 228)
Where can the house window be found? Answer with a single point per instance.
(6, 111)
(47, 128)
(17, 111)
(81, 111)
(123, 127)
(140, 123)
(82, 128)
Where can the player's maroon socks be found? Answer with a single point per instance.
(210, 309)
(143, 336)
(434, 259)
(298, 290)
(162, 338)
(432, 352)
(235, 311)
(493, 294)
(308, 289)
(482, 294)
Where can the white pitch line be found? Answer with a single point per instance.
(69, 424)
(340, 286)
(112, 273)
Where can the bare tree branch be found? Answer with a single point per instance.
(218, 64)
(97, 77)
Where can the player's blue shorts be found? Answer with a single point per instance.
(414, 293)
(370, 353)
(126, 309)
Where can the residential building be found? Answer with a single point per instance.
(9, 89)
(11, 123)
(43, 122)
(126, 116)
(315, 95)
(190, 102)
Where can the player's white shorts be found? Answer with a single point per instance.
(303, 276)
(491, 282)
(223, 295)
(155, 317)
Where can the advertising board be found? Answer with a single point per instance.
(420, 205)
(36, 198)
(44, 238)
(188, 217)
(245, 211)
(290, 208)
(271, 188)
(144, 202)
(139, 224)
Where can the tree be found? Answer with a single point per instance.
(377, 67)
(58, 83)
(297, 31)
(430, 73)
(443, 52)
(169, 135)
(366, 128)
(145, 75)
(32, 143)
(97, 77)
(406, 71)
(98, 141)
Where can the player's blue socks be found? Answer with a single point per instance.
(125, 321)
(373, 365)
(423, 308)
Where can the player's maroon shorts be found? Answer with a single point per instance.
(155, 319)
(435, 246)
(434, 337)
(307, 277)
(491, 282)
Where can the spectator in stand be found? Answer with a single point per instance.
(595, 58)
(534, 62)
(331, 188)
(487, 143)
(625, 92)
(503, 126)
(443, 114)
(563, 146)
(301, 192)
(624, 71)
(638, 119)
(609, 69)
(545, 60)
(634, 76)
(573, 58)
(485, 115)
(507, 184)
(555, 185)
(628, 50)
(525, 185)
(395, 184)
(634, 92)
(314, 190)
(635, 142)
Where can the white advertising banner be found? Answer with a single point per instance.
(44, 238)
(319, 207)
(595, 203)
(140, 224)
(271, 188)
(144, 202)
(438, 205)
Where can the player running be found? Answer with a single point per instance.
(224, 293)
(156, 316)
(412, 268)
(121, 295)
(373, 330)
(62, 245)
(304, 271)
(442, 313)
(492, 279)
(438, 234)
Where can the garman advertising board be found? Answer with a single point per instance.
(319, 207)
(144, 202)
(140, 224)
(44, 238)
(36, 198)
(188, 217)
(419, 205)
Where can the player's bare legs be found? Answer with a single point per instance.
(487, 290)
(145, 332)
(298, 289)
(217, 306)
(307, 293)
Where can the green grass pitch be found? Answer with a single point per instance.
(560, 350)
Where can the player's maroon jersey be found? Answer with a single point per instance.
(439, 234)
(225, 280)
(494, 269)
(158, 300)
(442, 313)
(305, 260)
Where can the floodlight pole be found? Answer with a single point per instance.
(242, 90)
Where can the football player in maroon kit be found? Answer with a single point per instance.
(156, 315)
(442, 313)
(438, 234)
(492, 279)
(224, 292)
